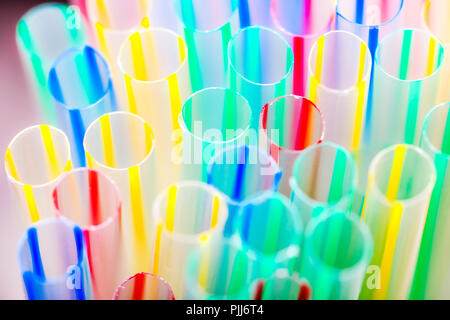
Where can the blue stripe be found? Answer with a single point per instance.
(76, 121)
(95, 79)
(244, 14)
(240, 173)
(29, 285)
(55, 87)
(359, 11)
(33, 243)
(79, 293)
(373, 44)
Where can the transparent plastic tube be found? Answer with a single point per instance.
(53, 261)
(81, 86)
(255, 13)
(401, 179)
(220, 270)
(337, 251)
(271, 230)
(288, 125)
(186, 216)
(34, 160)
(302, 22)
(432, 276)
(144, 286)
(92, 200)
(206, 130)
(242, 173)
(261, 64)
(42, 34)
(324, 178)
(156, 80)
(121, 145)
(207, 27)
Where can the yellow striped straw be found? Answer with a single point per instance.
(108, 149)
(171, 201)
(317, 76)
(11, 165)
(361, 99)
(159, 228)
(31, 202)
(137, 53)
(53, 161)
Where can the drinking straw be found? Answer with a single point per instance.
(242, 173)
(255, 13)
(437, 20)
(92, 200)
(281, 286)
(53, 262)
(261, 64)
(289, 125)
(302, 22)
(144, 286)
(186, 216)
(81, 86)
(401, 179)
(324, 178)
(221, 270)
(337, 250)
(207, 130)
(121, 145)
(156, 80)
(432, 278)
(42, 34)
(271, 230)
(34, 160)
(207, 27)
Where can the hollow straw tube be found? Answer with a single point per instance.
(156, 80)
(92, 200)
(288, 125)
(324, 178)
(81, 86)
(144, 286)
(302, 22)
(207, 27)
(401, 179)
(206, 131)
(271, 230)
(261, 64)
(242, 173)
(255, 13)
(337, 251)
(53, 261)
(121, 145)
(432, 277)
(42, 34)
(186, 216)
(34, 160)
(220, 270)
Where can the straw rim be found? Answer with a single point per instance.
(279, 37)
(425, 8)
(146, 274)
(425, 137)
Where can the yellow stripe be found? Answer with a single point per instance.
(10, 162)
(137, 53)
(181, 49)
(157, 248)
(431, 56)
(215, 212)
(31, 202)
(89, 160)
(132, 107)
(359, 115)
(175, 100)
(369, 184)
(103, 13)
(105, 126)
(145, 23)
(68, 166)
(171, 201)
(313, 89)
(204, 266)
(50, 150)
(102, 41)
(362, 61)
(319, 59)
(396, 173)
(148, 138)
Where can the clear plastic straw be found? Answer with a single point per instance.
(242, 173)
(144, 286)
(186, 216)
(302, 22)
(324, 178)
(42, 34)
(81, 86)
(53, 261)
(92, 200)
(261, 64)
(401, 179)
(255, 13)
(34, 160)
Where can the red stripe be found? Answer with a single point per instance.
(302, 129)
(264, 117)
(259, 291)
(138, 290)
(305, 292)
(93, 194)
(87, 240)
(299, 56)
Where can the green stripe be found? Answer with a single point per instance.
(193, 60)
(406, 48)
(412, 111)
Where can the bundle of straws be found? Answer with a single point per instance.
(251, 149)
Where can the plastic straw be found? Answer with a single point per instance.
(337, 250)
(242, 173)
(255, 13)
(92, 200)
(261, 64)
(53, 261)
(121, 145)
(432, 277)
(271, 230)
(401, 179)
(81, 86)
(42, 34)
(207, 27)
(185, 217)
(219, 271)
(302, 22)
(207, 130)
(155, 77)
(34, 160)
(324, 178)
(144, 286)
(289, 125)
